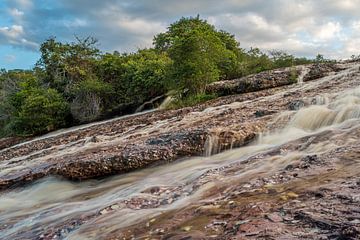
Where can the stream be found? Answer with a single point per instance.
(50, 202)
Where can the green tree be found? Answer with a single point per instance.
(282, 59)
(65, 64)
(35, 109)
(199, 53)
(256, 61)
(91, 98)
(135, 77)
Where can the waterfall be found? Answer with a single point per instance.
(304, 71)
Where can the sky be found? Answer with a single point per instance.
(300, 27)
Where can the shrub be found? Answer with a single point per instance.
(42, 110)
(90, 97)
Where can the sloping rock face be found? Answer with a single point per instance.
(273, 78)
(10, 141)
(299, 181)
(314, 197)
(264, 80)
(135, 142)
(319, 70)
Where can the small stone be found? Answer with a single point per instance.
(284, 197)
(241, 222)
(222, 223)
(289, 167)
(115, 207)
(104, 211)
(186, 228)
(272, 191)
(268, 185)
(274, 217)
(292, 195)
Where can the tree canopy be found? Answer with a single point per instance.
(74, 82)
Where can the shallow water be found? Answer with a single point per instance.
(30, 211)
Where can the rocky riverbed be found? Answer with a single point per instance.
(291, 168)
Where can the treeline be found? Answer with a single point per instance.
(75, 82)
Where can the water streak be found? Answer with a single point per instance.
(52, 201)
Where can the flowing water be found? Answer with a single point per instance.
(48, 203)
(304, 71)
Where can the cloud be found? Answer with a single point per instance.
(14, 36)
(12, 32)
(302, 27)
(16, 13)
(327, 31)
(9, 58)
(23, 4)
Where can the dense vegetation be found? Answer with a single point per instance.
(75, 82)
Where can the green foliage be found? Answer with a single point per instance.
(67, 63)
(195, 58)
(256, 61)
(145, 75)
(34, 109)
(190, 100)
(282, 59)
(200, 53)
(136, 77)
(90, 97)
(91, 85)
(50, 109)
(75, 82)
(293, 75)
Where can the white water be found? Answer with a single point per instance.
(304, 71)
(52, 201)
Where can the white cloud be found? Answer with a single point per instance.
(16, 13)
(327, 31)
(140, 26)
(24, 4)
(9, 58)
(75, 23)
(12, 32)
(14, 35)
(302, 27)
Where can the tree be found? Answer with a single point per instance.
(195, 59)
(256, 61)
(90, 99)
(199, 53)
(136, 77)
(282, 59)
(35, 109)
(66, 64)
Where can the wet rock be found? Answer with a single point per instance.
(186, 228)
(92, 139)
(274, 217)
(256, 82)
(320, 70)
(296, 105)
(262, 112)
(10, 141)
(349, 233)
(315, 221)
(136, 142)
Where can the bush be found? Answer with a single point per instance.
(90, 97)
(191, 100)
(42, 110)
(200, 53)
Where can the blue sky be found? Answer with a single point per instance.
(301, 27)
